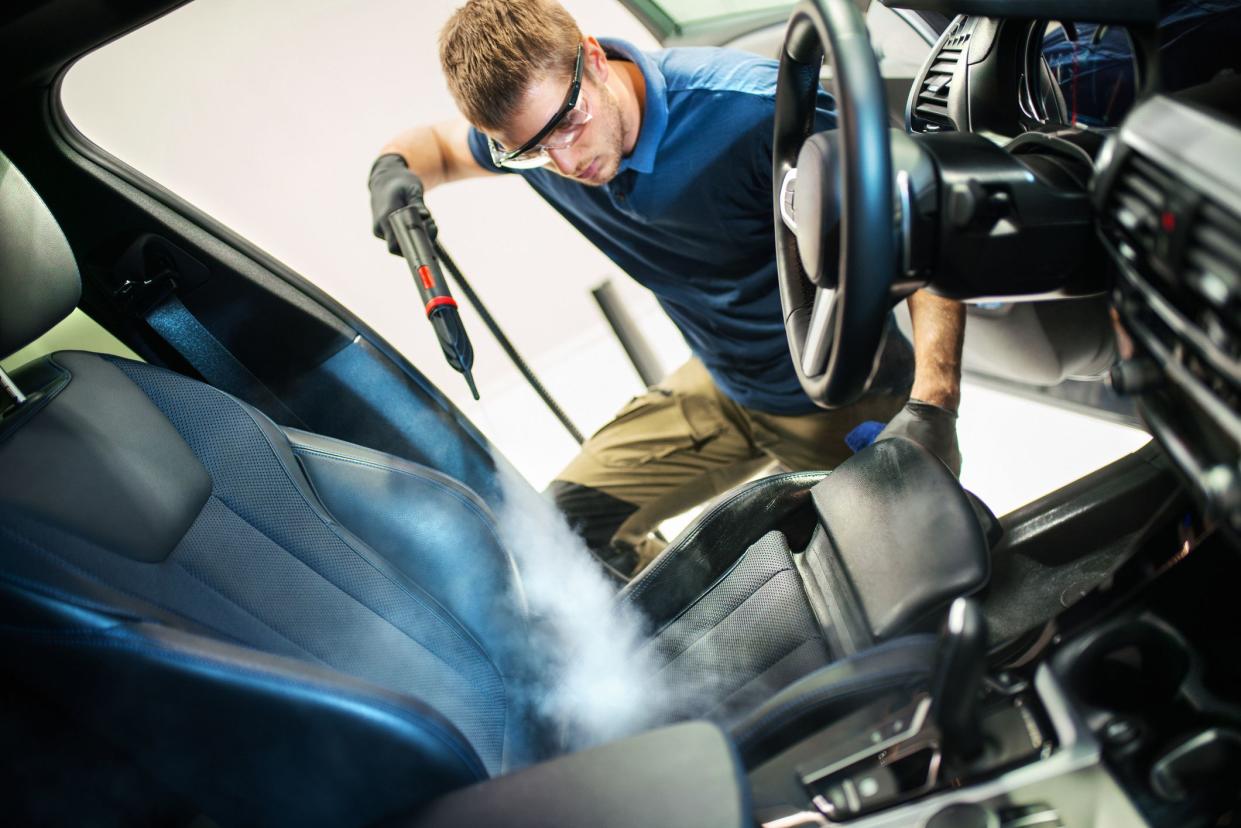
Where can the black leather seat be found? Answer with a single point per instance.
(273, 624)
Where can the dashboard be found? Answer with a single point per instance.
(1158, 108)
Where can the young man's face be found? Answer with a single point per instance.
(594, 156)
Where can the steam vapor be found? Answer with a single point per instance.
(598, 681)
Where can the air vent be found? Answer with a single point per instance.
(1213, 274)
(1140, 198)
(931, 106)
(1184, 255)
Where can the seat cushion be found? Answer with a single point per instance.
(263, 563)
(749, 634)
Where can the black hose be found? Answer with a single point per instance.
(492, 326)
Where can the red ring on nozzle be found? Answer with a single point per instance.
(439, 302)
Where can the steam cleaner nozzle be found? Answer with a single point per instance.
(441, 307)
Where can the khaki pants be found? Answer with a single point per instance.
(682, 443)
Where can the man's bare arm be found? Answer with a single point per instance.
(939, 333)
(437, 153)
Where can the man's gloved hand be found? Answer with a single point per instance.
(930, 426)
(394, 186)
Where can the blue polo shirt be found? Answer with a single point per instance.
(689, 214)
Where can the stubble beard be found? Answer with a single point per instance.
(615, 147)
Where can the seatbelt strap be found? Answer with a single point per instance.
(198, 346)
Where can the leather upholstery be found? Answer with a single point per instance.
(405, 512)
(741, 638)
(707, 548)
(38, 275)
(903, 533)
(253, 738)
(265, 565)
(134, 485)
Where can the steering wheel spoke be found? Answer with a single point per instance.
(819, 333)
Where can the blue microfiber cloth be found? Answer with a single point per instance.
(863, 435)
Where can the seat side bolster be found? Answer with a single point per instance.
(708, 547)
(275, 741)
(437, 532)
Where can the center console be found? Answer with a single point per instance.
(1125, 711)
(972, 750)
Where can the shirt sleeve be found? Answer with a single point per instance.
(482, 153)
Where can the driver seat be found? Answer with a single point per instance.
(283, 628)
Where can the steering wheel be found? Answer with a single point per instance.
(835, 281)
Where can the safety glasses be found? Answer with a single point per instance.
(564, 128)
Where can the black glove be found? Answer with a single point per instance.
(394, 186)
(930, 426)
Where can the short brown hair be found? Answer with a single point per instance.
(492, 50)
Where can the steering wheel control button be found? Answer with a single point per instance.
(788, 205)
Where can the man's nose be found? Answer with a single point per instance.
(565, 159)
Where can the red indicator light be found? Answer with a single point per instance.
(428, 281)
(1167, 220)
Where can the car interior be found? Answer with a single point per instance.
(228, 566)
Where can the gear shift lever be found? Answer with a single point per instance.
(957, 678)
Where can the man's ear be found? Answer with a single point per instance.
(595, 59)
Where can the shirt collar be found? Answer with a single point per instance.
(655, 111)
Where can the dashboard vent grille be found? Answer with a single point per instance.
(931, 105)
(1213, 273)
(1139, 200)
(1183, 253)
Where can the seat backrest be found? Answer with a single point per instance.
(266, 621)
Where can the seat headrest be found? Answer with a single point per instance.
(39, 283)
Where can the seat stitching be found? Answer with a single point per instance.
(432, 476)
(434, 611)
(486, 516)
(318, 658)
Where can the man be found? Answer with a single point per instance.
(663, 160)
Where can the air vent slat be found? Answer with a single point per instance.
(1150, 172)
(1207, 265)
(1152, 195)
(931, 112)
(1218, 234)
(931, 101)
